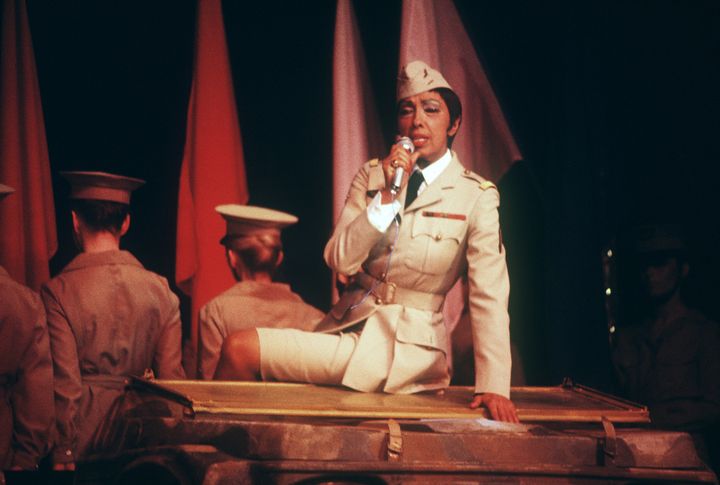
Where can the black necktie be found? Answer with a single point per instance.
(416, 179)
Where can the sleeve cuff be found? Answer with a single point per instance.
(381, 215)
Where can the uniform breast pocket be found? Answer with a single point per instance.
(434, 244)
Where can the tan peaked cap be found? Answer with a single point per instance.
(5, 190)
(249, 220)
(101, 186)
(417, 77)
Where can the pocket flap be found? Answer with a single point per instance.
(438, 228)
(422, 333)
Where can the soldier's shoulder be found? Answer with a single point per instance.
(372, 164)
(368, 168)
(16, 295)
(477, 181)
(52, 285)
(701, 322)
(207, 309)
(156, 283)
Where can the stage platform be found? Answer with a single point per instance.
(565, 403)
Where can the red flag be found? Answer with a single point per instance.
(28, 238)
(213, 168)
(356, 126)
(433, 32)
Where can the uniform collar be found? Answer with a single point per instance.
(433, 171)
(250, 285)
(445, 178)
(87, 260)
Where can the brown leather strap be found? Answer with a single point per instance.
(389, 293)
(395, 441)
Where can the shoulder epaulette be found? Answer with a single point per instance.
(484, 184)
(374, 162)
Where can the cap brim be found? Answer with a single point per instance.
(101, 186)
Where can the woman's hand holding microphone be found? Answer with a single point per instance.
(397, 166)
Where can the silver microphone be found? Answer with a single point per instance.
(407, 144)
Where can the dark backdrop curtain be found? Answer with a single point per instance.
(614, 105)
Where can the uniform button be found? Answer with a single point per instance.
(390, 248)
(378, 301)
(438, 237)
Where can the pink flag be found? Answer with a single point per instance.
(213, 168)
(28, 238)
(433, 32)
(356, 127)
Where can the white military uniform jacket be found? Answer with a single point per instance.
(451, 227)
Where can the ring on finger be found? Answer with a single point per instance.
(394, 164)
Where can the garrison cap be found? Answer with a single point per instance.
(658, 238)
(248, 220)
(5, 190)
(417, 77)
(101, 186)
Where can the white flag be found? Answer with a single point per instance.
(356, 127)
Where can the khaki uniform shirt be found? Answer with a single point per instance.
(27, 413)
(452, 227)
(250, 304)
(107, 316)
(674, 370)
